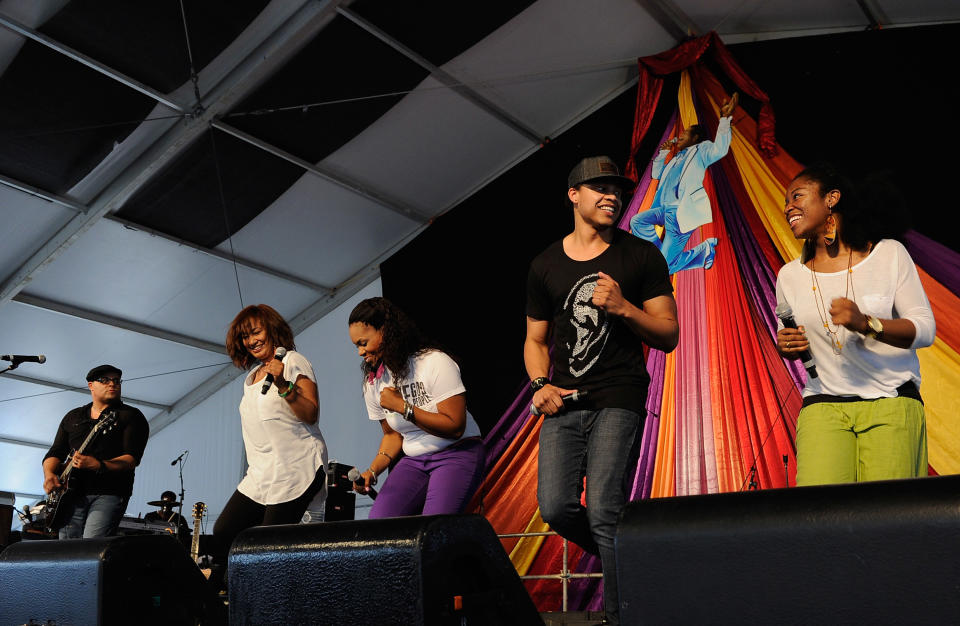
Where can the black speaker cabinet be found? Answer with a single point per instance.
(114, 580)
(6, 522)
(412, 570)
(869, 553)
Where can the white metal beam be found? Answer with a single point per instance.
(80, 208)
(93, 64)
(447, 79)
(63, 387)
(326, 173)
(26, 442)
(263, 60)
(118, 322)
(213, 252)
(30, 190)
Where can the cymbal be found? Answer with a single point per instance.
(162, 503)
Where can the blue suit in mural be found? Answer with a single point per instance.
(681, 203)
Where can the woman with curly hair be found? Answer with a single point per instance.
(858, 290)
(286, 454)
(414, 390)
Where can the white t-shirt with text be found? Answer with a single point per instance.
(433, 378)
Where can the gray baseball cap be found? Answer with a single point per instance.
(597, 169)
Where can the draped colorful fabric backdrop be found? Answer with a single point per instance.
(722, 407)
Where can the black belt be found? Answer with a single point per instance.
(906, 390)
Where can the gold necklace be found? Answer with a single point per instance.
(838, 334)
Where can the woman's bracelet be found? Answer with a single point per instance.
(289, 389)
(373, 479)
(386, 455)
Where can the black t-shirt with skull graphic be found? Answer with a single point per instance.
(594, 351)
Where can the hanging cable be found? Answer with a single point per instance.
(304, 107)
(223, 204)
(76, 129)
(194, 78)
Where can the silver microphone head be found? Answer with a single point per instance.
(783, 310)
(279, 353)
(353, 475)
(41, 359)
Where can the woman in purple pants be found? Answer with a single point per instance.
(414, 390)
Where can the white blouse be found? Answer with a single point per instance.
(886, 285)
(283, 453)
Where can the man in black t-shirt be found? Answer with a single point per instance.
(101, 478)
(603, 293)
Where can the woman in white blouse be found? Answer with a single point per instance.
(286, 454)
(862, 313)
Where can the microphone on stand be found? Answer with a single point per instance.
(785, 313)
(356, 478)
(278, 355)
(174, 462)
(17, 359)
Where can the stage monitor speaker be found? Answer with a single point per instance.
(339, 506)
(869, 553)
(6, 523)
(439, 569)
(144, 579)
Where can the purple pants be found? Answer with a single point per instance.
(432, 484)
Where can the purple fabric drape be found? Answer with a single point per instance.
(936, 259)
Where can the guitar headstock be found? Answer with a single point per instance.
(108, 419)
(199, 510)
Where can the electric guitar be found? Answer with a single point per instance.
(61, 499)
(199, 510)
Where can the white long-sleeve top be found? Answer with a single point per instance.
(885, 285)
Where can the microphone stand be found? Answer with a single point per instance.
(181, 461)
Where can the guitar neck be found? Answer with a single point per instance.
(198, 511)
(83, 446)
(195, 544)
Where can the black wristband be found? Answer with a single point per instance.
(539, 383)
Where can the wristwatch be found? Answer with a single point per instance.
(407, 411)
(539, 383)
(874, 328)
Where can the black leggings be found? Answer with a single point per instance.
(241, 513)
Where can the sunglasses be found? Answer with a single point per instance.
(106, 380)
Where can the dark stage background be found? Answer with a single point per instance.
(867, 101)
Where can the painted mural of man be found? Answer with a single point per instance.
(681, 203)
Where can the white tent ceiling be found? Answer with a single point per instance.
(84, 283)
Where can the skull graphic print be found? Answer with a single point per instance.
(591, 325)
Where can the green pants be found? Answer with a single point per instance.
(845, 442)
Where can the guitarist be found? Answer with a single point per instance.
(101, 479)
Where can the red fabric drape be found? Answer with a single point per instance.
(652, 68)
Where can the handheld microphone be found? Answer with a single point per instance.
(356, 478)
(278, 355)
(573, 396)
(174, 462)
(20, 358)
(785, 313)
